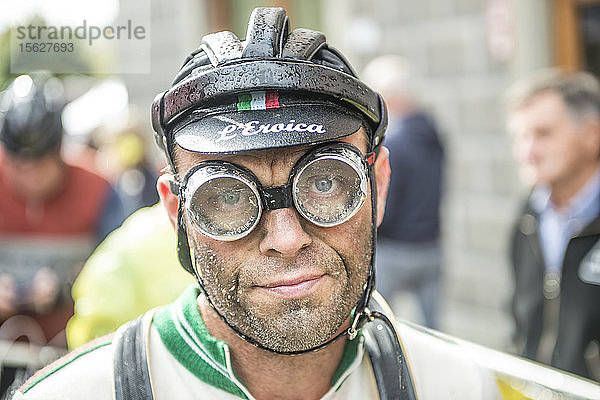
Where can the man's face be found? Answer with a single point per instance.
(549, 144)
(289, 284)
(33, 178)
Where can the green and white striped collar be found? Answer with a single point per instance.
(185, 336)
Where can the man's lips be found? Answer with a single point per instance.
(293, 287)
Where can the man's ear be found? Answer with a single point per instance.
(169, 200)
(382, 179)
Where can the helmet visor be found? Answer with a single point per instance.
(264, 120)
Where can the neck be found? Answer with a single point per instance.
(566, 189)
(269, 375)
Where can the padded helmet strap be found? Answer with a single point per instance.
(221, 47)
(303, 44)
(266, 33)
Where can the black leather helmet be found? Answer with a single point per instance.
(30, 115)
(291, 85)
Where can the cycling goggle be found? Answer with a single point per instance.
(327, 186)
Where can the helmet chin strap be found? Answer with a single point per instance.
(361, 312)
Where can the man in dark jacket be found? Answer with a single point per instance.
(409, 254)
(555, 121)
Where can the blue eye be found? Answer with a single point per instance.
(230, 198)
(323, 185)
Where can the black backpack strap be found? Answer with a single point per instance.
(131, 376)
(387, 358)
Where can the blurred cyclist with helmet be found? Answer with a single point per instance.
(278, 180)
(51, 214)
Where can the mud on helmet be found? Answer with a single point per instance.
(275, 89)
(30, 115)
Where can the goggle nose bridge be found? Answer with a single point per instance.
(277, 197)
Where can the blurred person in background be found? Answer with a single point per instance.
(408, 240)
(132, 271)
(52, 214)
(554, 118)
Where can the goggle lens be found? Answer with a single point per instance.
(221, 201)
(328, 191)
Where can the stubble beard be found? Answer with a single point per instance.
(287, 325)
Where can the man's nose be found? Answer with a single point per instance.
(284, 235)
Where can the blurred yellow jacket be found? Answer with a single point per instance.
(133, 270)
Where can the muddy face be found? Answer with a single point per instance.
(290, 285)
(287, 305)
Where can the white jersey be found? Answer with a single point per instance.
(185, 362)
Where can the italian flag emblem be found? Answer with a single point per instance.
(258, 100)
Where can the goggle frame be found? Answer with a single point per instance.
(275, 197)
